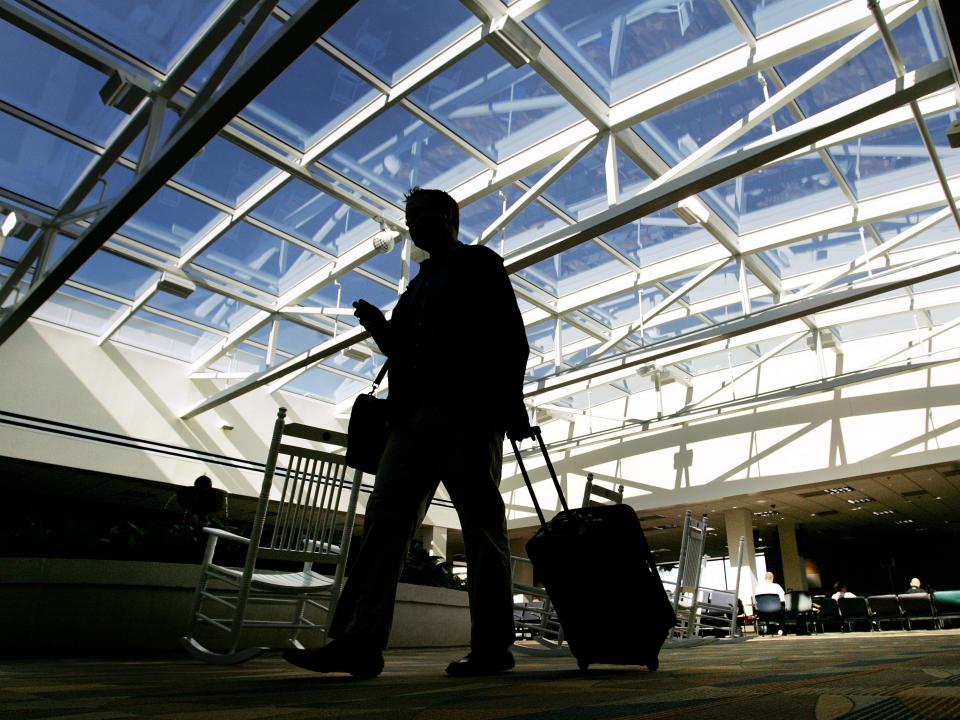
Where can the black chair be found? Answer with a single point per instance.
(798, 612)
(768, 612)
(886, 609)
(827, 617)
(917, 607)
(855, 612)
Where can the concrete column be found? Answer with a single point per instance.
(794, 576)
(739, 523)
(435, 540)
(522, 571)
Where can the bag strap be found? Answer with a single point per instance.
(534, 431)
(383, 371)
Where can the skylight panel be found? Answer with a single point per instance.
(682, 130)
(170, 221)
(115, 274)
(309, 99)
(392, 39)
(532, 223)
(224, 172)
(157, 33)
(582, 266)
(765, 15)
(943, 232)
(294, 338)
(582, 190)
(619, 48)
(348, 362)
(818, 252)
(260, 259)
(720, 360)
(54, 164)
(395, 152)
(165, 336)
(625, 308)
(79, 310)
(497, 108)
(324, 385)
(54, 86)
(316, 217)
(885, 161)
(658, 236)
(244, 358)
(205, 307)
(724, 281)
(781, 192)
(664, 331)
(478, 215)
(348, 288)
(915, 42)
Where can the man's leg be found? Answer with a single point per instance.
(471, 472)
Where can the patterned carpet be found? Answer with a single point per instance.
(856, 676)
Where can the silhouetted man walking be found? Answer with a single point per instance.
(457, 351)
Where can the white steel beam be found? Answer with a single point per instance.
(602, 372)
(281, 50)
(921, 82)
(780, 99)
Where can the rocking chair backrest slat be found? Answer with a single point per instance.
(311, 491)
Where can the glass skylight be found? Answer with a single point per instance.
(621, 47)
(275, 217)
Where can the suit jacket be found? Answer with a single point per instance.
(456, 340)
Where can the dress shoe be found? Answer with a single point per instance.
(338, 657)
(481, 664)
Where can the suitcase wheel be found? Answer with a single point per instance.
(582, 663)
(653, 664)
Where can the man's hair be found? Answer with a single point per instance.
(768, 577)
(437, 198)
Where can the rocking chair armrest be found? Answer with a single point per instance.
(217, 532)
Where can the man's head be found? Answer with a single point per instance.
(768, 577)
(433, 218)
(915, 583)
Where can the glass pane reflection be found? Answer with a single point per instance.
(621, 47)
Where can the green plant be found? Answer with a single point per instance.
(422, 568)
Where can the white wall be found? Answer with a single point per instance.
(55, 373)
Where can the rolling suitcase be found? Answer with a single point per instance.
(597, 569)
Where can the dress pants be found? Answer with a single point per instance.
(425, 448)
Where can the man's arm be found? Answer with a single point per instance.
(374, 321)
(512, 340)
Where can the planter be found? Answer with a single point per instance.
(113, 605)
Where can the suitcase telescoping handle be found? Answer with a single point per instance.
(534, 432)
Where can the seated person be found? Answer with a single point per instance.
(840, 591)
(768, 587)
(914, 586)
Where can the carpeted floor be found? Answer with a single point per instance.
(856, 676)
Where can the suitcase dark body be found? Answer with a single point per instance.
(597, 568)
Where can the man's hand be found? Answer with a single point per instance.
(369, 315)
(517, 424)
